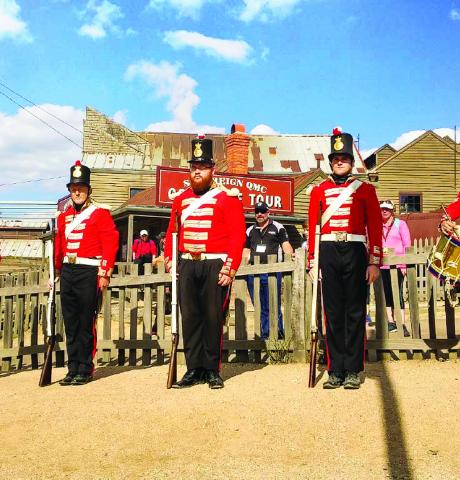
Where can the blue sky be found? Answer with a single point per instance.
(382, 69)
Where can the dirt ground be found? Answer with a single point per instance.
(265, 424)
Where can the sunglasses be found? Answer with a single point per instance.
(261, 210)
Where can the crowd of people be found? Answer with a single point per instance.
(356, 231)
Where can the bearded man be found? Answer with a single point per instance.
(210, 222)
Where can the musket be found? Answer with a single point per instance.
(314, 306)
(45, 377)
(172, 371)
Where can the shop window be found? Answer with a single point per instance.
(410, 202)
(134, 191)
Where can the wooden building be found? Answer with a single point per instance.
(421, 177)
(124, 166)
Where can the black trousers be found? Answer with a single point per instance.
(141, 261)
(386, 279)
(343, 270)
(79, 295)
(203, 304)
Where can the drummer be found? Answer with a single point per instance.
(448, 224)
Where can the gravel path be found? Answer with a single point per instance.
(265, 424)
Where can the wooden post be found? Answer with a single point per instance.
(147, 331)
(7, 326)
(273, 301)
(129, 246)
(413, 305)
(107, 326)
(121, 316)
(241, 330)
(133, 317)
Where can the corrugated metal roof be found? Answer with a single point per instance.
(23, 223)
(267, 153)
(21, 248)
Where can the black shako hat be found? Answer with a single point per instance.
(79, 174)
(202, 150)
(341, 144)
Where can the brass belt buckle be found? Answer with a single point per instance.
(72, 258)
(195, 256)
(341, 236)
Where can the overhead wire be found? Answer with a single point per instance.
(40, 108)
(2, 84)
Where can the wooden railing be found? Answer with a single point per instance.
(134, 306)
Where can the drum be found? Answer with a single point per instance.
(444, 260)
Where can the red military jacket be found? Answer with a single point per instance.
(453, 209)
(217, 226)
(96, 236)
(360, 215)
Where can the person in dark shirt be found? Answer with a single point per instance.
(266, 237)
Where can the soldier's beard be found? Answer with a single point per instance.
(200, 185)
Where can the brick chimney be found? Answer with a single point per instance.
(237, 145)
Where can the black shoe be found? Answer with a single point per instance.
(81, 379)
(192, 377)
(214, 380)
(352, 381)
(392, 327)
(334, 381)
(405, 331)
(67, 380)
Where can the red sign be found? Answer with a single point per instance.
(276, 192)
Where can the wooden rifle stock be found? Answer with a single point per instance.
(45, 376)
(314, 306)
(172, 370)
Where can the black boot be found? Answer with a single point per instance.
(67, 380)
(334, 381)
(214, 380)
(82, 379)
(192, 377)
(352, 381)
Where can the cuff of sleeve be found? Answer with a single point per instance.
(105, 272)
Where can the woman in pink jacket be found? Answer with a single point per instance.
(396, 236)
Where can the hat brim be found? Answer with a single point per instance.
(77, 181)
(209, 162)
(332, 155)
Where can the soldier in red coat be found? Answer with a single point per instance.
(211, 226)
(448, 224)
(85, 248)
(350, 254)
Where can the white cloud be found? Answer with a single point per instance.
(366, 153)
(263, 129)
(454, 14)
(120, 117)
(31, 150)
(408, 137)
(178, 88)
(11, 25)
(265, 10)
(101, 18)
(232, 50)
(185, 8)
